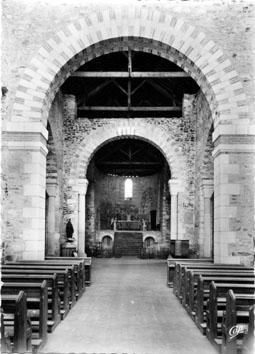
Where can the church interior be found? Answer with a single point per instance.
(127, 174)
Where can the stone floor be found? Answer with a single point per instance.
(128, 309)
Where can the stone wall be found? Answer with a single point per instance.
(108, 192)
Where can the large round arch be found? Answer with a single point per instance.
(77, 43)
(123, 128)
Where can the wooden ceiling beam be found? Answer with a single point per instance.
(129, 163)
(133, 74)
(134, 109)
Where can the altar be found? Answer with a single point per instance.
(132, 225)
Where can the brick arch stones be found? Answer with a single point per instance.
(178, 41)
(124, 128)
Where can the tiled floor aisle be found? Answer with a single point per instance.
(128, 309)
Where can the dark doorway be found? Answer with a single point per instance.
(153, 219)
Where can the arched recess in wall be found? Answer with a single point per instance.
(160, 33)
(107, 242)
(149, 241)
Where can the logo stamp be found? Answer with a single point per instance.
(235, 330)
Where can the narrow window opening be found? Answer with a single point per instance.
(128, 188)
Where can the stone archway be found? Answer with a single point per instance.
(163, 34)
(127, 128)
(188, 47)
(118, 129)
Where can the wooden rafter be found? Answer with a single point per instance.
(160, 89)
(99, 88)
(120, 87)
(133, 74)
(130, 163)
(138, 87)
(134, 108)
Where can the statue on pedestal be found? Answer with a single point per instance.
(69, 231)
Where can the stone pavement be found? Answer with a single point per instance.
(128, 309)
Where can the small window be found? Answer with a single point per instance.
(128, 188)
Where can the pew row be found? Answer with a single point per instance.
(236, 322)
(171, 263)
(36, 307)
(75, 268)
(182, 269)
(200, 305)
(190, 290)
(16, 333)
(53, 295)
(87, 264)
(217, 306)
(63, 282)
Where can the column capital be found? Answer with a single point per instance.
(82, 186)
(174, 186)
(207, 187)
(51, 187)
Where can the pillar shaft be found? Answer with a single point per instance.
(174, 217)
(81, 225)
(207, 190)
(82, 189)
(52, 243)
(174, 187)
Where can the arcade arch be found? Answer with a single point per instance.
(158, 32)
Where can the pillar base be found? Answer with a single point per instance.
(82, 254)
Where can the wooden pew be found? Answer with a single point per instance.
(171, 262)
(16, 327)
(37, 307)
(53, 268)
(204, 281)
(216, 306)
(235, 322)
(87, 264)
(191, 281)
(182, 269)
(6, 346)
(248, 341)
(53, 296)
(62, 282)
(178, 275)
(78, 267)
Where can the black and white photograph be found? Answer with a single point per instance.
(127, 176)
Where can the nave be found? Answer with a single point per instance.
(128, 309)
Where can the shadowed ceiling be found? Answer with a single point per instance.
(129, 84)
(129, 157)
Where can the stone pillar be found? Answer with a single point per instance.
(234, 170)
(24, 144)
(207, 191)
(52, 235)
(82, 190)
(174, 187)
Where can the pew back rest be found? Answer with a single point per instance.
(37, 296)
(17, 305)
